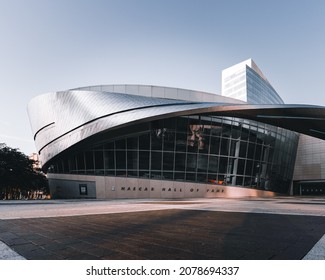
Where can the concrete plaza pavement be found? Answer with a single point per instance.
(253, 228)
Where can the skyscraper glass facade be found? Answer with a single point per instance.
(260, 91)
(246, 82)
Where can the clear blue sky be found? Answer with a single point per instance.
(60, 44)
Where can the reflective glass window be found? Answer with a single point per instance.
(109, 157)
(223, 163)
(66, 168)
(109, 146)
(132, 159)
(201, 177)
(213, 164)
(72, 163)
(243, 149)
(241, 166)
(215, 145)
(168, 175)
(99, 159)
(168, 161)
(182, 124)
(80, 161)
(191, 162)
(181, 142)
(132, 143)
(121, 160)
(144, 160)
(180, 160)
(156, 159)
(144, 141)
(120, 144)
(157, 139)
(89, 156)
(202, 163)
(224, 149)
(190, 176)
(180, 176)
(169, 140)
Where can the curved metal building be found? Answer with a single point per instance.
(136, 141)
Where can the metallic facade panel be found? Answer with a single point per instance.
(60, 120)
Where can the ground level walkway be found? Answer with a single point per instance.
(250, 229)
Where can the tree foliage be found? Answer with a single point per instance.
(17, 175)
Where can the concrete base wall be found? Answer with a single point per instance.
(72, 188)
(104, 187)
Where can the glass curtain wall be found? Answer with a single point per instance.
(259, 91)
(200, 148)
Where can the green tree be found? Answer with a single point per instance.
(17, 176)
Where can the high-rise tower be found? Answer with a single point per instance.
(246, 82)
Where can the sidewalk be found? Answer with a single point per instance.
(250, 229)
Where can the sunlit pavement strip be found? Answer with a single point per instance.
(8, 254)
(55, 208)
(318, 251)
